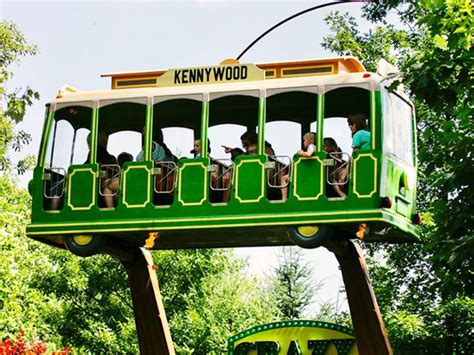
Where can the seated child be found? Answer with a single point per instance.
(308, 151)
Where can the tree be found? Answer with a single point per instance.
(85, 302)
(21, 307)
(219, 299)
(292, 286)
(14, 46)
(416, 284)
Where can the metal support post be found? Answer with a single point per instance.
(367, 321)
(153, 332)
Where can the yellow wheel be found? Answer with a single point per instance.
(310, 236)
(308, 231)
(82, 239)
(85, 245)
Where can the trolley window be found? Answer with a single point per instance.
(398, 127)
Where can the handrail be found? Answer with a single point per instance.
(339, 176)
(282, 164)
(56, 187)
(106, 170)
(171, 168)
(226, 169)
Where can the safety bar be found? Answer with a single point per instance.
(338, 172)
(55, 178)
(221, 174)
(278, 166)
(109, 174)
(164, 177)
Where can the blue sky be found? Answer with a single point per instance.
(79, 40)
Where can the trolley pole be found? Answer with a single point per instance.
(367, 321)
(153, 332)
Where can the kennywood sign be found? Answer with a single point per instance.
(294, 338)
(211, 75)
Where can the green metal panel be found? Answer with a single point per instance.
(364, 174)
(192, 181)
(81, 187)
(223, 224)
(48, 123)
(136, 184)
(400, 185)
(248, 189)
(308, 177)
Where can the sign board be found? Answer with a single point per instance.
(211, 75)
(300, 337)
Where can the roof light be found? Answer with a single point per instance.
(366, 75)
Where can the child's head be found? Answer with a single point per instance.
(124, 158)
(357, 122)
(197, 147)
(249, 138)
(308, 139)
(330, 145)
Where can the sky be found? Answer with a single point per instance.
(79, 40)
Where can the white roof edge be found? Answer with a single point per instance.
(322, 80)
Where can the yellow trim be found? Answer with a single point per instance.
(148, 130)
(321, 179)
(372, 118)
(207, 226)
(204, 169)
(211, 219)
(203, 133)
(283, 75)
(319, 118)
(270, 73)
(262, 193)
(354, 177)
(94, 135)
(46, 138)
(69, 190)
(117, 81)
(124, 185)
(261, 123)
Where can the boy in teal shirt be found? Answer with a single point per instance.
(360, 131)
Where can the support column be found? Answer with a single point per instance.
(367, 321)
(153, 332)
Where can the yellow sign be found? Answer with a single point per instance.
(300, 337)
(211, 75)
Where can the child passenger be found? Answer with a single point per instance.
(360, 131)
(337, 173)
(196, 151)
(112, 184)
(308, 151)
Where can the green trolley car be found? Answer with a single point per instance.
(85, 198)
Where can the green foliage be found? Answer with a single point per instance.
(21, 306)
(292, 286)
(382, 42)
(208, 298)
(94, 310)
(85, 302)
(13, 46)
(422, 288)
